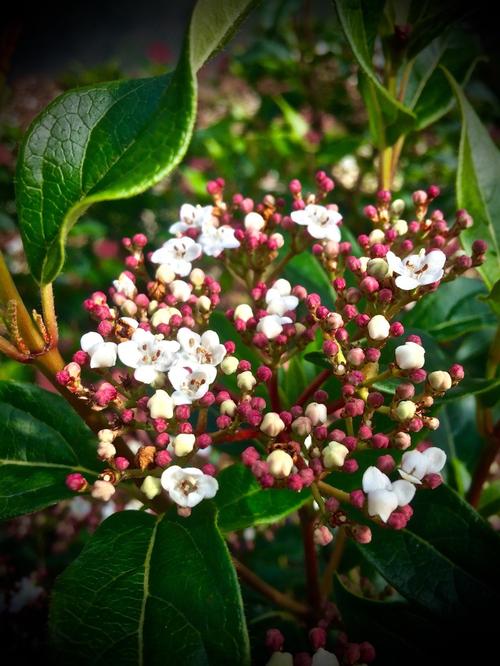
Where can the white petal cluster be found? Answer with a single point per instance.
(279, 299)
(417, 270)
(417, 464)
(188, 486)
(190, 384)
(215, 239)
(177, 254)
(124, 285)
(191, 217)
(272, 325)
(102, 354)
(200, 350)
(150, 355)
(321, 222)
(385, 496)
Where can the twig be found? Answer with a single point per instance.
(313, 386)
(333, 562)
(49, 313)
(279, 598)
(311, 560)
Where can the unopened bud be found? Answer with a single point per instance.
(161, 405)
(272, 424)
(439, 380)
(334, 454)
(378, 328)
(183, 444)
(406, 410)
(316, 412)
(246, 381)
(280, 463)
(229, 365)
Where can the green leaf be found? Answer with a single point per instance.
(111, 141)
(306, 270)
(389, 119)
(43, 440)
(151, 590)
(428, 20)
(444, 561)
(477, 185)
(242, 502)
(318, 358)
(493, 298)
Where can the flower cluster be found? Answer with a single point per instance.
(170, 389)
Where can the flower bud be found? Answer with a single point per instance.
(105, 435)
(105, 450)
(197, 277)
(161, 405)
(316, 412)
(279, 462)
(246, 381)
(376, 236)
(181, 290)
(322, 536)
(228, 407)
(302, 426)
(377, 268)
(151, 487)
(402, 440)
(243, 312)
(400, 227)
(406, 410)
(165, 274)
(272, 424)
(410, 356)
(439, 381)
(204, 304)
(103, 490)
(229, 365)
(270, 326)
(183, 444)
(378, 328)
(334, 454)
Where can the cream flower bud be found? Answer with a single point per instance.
(271, 424)
(151, 487)
(197, 277)
(165, 274)
(302, 426)
(400, 227)
(254, 222)
(378, 327)
(406, 410)
(334, 454)
(376, 236)
(410, 356)
(439, 380)
(204, 304)
(228, 407)
(106, 450)
(163, 315)
(229, 365)
(161, 405)
(432, 423)
(106, 435)
(316, 412)
(397, 206)
(103, 490)
(280, 463)
(377, 268)
(299, 328)
(363, 262)
(243, 312)
(181, 290)
(183, 444)
(271, 326)
(246, 381)
(278, 239)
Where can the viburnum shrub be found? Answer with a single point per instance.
(255, 367)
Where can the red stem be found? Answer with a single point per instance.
(313, 386)
(246, 433)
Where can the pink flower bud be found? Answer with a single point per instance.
(203, 441)
(357, 498)
(386, 464)
(274, 640)
(76, 482)
(367, 652)
(322, 536)
(397, 520)
(361, 534)
(317, 636)
(307, 476)
(433, 480)
(457, 372)
(295, 482)
(375, 399)
(121, 463)
(350, 466)
(380, 441)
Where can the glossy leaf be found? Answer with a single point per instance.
(111, 141)
(242, 502)
(389, 119)
(151, 590)
(444, 560)
(477, 185)
(43, 440)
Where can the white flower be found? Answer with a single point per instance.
(192, 217)
(378, 327)
(384, 496)
(102, 354)
(278, 298)
(150, 355)
(272, 325)
(417, 269)
(124, 285)
(189, 486)
(203, 350)
(161, 405)
(254, 221)
(321, 222)
(190, 384)
(181, 290)
(214, 240)
(324, 658)
(410, 356)
(177, 254)
(417, 464)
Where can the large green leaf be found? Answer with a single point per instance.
(478, 188)
(111, 141)
(242, 502)
(151, 590)
(445, 561)
(389, 119)
(43, 440)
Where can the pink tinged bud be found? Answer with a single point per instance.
(385, 296)
(140, 240)
(457, 372)
(371, 212)
(295, 482)
(364, 432)
(332, 505)
(209, 469)
(76, 482)
(127, 416)
(350, 466)
(356, 356)
(405, 391)
(372, 354)
(121, 463)
(397, 329)
(223, 421)
(307, 476)
(397, 520)
(63, 378)
(317, 636)
(363, 240)
(353, 264)
(322, 536)
(479, 247)
(416, 424)
(295, 186)
(203, 441)
(375, 399)
(286, 417)
(380, 441)
(267, 481)
(357, 498)
(274, 640)
(384, 196)
(418, 376)
(264, 373)
(351, 654)
(361, 534)
(386, 464)
(162, 440)
(432, 480)
(367, 652)
(103, 490)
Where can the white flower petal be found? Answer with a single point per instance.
(374, 479)
(89, 340)
(404, 491)
(406, 282)
(382, 503)
(129, 354)
(436, 459)
(145, 374)
(414, 463)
